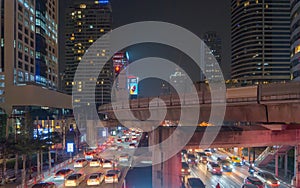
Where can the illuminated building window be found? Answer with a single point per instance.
(79, 23)
(101, 30)
(297, 49)
(79, 58)
(77, 100)
(91, 40)
(256, 1)
(72, 38)
(247, 3)
(267, 6)
(83, 6)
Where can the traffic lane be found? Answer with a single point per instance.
(227, 179)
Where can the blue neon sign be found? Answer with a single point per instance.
(103, 1)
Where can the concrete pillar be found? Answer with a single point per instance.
(285, 164)
(297, 165)
(91, 134)
(249, 157)
(276, 164)
(168, 173)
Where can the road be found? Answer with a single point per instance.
(107, 154)
(232, 179)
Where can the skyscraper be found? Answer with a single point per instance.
(260, 38)
(28, 44)
(214, 44)
(295, 40)
(86, 21)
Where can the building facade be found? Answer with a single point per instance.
(295, 40)
(260, 39)
(28, 44)
(86, 21)
(214, 47)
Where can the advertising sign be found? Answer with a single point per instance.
(70, 147)
(133, 88)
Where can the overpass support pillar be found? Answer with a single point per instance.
(285, 164)
(168, 173)
(91, 133)
(297, 165)
(276, 164)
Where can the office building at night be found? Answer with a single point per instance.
(214, 44)
(295, 40)
(260, 39)
(29, 43)
(86, 21)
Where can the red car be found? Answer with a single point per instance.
(254, 181)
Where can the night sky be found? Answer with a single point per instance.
(197, 16)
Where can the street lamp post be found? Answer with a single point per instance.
(102, 82)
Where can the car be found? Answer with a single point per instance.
(267, 178)
(202, 157)
(107, 164)
(119, 140)
(79, 163)
(214, 168)
(112, 176)
(236, 160)
(185, 169)
(63, 173)
(226, 165)
(248, 186)
(120, 148)
(95, 163)
(254, 181)
(95, 179)
(113, 147)
(44, 185)
(208, 152)
(123, 158)
(88, 155)
(134, 140)
(132, 146)
(195, 183)
(74, 180)
(191, 159)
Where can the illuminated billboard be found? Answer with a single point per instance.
(133, 88)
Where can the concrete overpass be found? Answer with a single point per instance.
(237, 136)
(274, 103)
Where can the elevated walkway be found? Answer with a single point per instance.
(269, 154)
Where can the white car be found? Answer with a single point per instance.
(95, 163)
(74, 180)
(124, 158)
(95, 179)
(107, 164)
(112, 176)
(79, 163)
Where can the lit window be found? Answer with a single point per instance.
(72, 38)
(267, 6)
(101, 30)
(297, 49)
(79, 58)
(77, 100)
(247, 3)
(91, 40)
(256, 1)
(79, 23)
(83, 6)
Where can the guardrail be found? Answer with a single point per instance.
(48, 172)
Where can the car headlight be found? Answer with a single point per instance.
(230, 166)
(278, 182)
(189, 170)
(182, 170)
(189, 160)
(269, 182)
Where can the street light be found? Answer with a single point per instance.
(102, 82)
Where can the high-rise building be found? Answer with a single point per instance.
(295, 40)
(214, 47)
(260, 38)
(86, 21)
(29, 49)
(28, 44)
